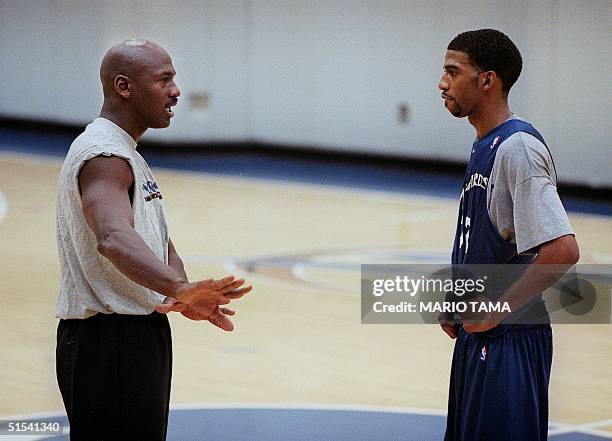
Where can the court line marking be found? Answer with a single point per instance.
(579, 429)
(3, 206)
(232, 268)
(589, 428)
(311, 406)
(300, 272)
(599, 423)
(298, 269)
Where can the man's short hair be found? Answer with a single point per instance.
(491, 50)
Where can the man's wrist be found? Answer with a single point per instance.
(176, 287)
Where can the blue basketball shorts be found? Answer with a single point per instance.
(499, 385)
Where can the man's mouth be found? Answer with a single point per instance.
(169, 109)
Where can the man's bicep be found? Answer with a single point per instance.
(539, 215)
(104, 183)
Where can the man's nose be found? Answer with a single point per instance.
(442, 84)
(175, 92)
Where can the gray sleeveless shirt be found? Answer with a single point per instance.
(89, 283)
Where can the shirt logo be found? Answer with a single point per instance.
(483, 353)
(151, 191)
(494, 142)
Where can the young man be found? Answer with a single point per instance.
(118, 264)
(509, 213)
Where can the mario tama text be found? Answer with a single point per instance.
(422, 293)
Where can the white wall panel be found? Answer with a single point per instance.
(49, 62)
(282, 71)
(582, 78)
(320, 72)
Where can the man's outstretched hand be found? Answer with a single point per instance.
(206, 297)
(209, 290)
(220, 319)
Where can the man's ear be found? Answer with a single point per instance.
(123, 86)
(489, 80)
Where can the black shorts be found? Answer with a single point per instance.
(114, 373)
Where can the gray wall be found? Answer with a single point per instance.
(322, 72)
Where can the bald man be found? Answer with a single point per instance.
(120, 272)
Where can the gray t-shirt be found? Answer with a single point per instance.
(522, 194)
(89, 282)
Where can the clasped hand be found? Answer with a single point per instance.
(202, 300)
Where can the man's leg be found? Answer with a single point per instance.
(519, 375)
(146, 367)
(114, 375)
(499, 386)
(464, 345)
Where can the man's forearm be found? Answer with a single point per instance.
(536, 279)
(552, 262)
(176, 262)
(129, 253)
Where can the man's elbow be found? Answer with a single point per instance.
(569, 251)
(108, 244)
(575, 256)
(561, 251)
